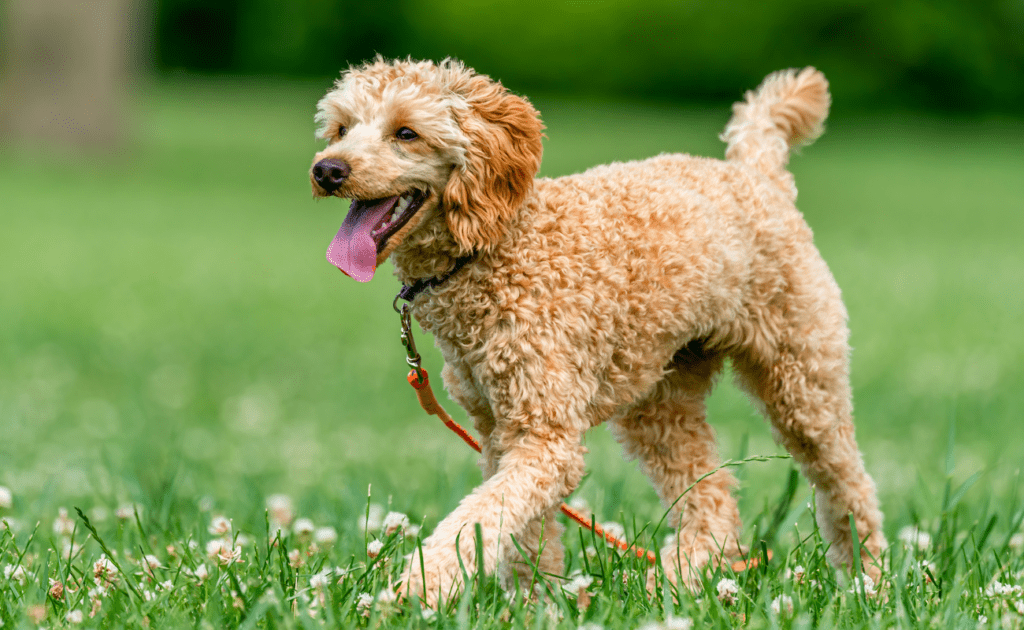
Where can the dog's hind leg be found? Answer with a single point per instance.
(800, 376)
(669, 435)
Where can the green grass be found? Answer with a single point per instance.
(172, 337)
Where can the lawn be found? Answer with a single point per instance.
(172, 338)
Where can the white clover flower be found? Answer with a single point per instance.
(99, 514)
(127, 511)
(56, 589)
(281, 511)
(387, 596)
(6, 498)
(321, 580)
(96, 600)
(913, 537)
(579, 504)
(578, 584)
(412, 531)
(63, 525)
(1017, 541)
(553, 615)
(36, 613)
(1019, 607)
(999, 589)
(374, 548)
(303, 528)
(228, 555)
(148, 595)
(428, 614)
(214, 546)
(69, 550)
(671, 623)
(614, 529)
(166, 585)
(150, 563)
(16, 573)
(728, 589)
(678, 623)
(364, 603)
(325, 536)
(782, 605)
(223, 552)
(97, 592)
(798, 573)
(372, 519)
(74, 617)
(219, 526)
(104, 572)
(295, 559)
(394, 522)
(863, 581)
(201, 572)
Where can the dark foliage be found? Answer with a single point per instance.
(941, 54)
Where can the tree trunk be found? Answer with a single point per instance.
(64, 72)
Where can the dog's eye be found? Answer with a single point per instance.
(406, 134)
(341, 132)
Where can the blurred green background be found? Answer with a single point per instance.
(935, 54)
(169, 328)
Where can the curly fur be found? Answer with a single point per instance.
(614, 295)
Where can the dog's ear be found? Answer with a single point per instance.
(502, 158)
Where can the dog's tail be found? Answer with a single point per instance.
(787, 110)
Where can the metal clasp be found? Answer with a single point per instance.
(412, 356)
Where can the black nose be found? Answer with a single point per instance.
(330, 174)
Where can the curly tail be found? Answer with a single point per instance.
(787, 110)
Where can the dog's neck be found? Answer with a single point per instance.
(429, 252)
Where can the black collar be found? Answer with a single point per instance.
(409, 293)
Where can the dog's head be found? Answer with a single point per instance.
(410, 140)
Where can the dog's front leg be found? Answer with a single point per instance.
(538, 468)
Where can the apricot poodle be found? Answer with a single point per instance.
(610, 296)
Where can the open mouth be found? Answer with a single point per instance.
(403, 207)
(367, 228)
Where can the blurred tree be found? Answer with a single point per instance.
(64, 71)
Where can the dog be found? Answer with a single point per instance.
(610, 296)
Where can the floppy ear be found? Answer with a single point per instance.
(502, 158)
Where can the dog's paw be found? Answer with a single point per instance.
(681, 568)
(684, 567)
(434, 580)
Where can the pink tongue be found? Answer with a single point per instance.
(353, 250)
